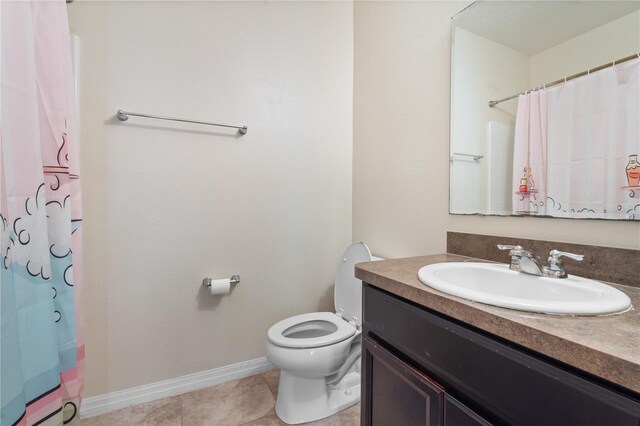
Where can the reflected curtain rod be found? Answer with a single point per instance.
(564, 80)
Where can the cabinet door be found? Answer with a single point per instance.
(457, 414)
(394, 393)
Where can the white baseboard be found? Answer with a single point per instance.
(113, 401)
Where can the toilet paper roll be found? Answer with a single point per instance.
(222, 286)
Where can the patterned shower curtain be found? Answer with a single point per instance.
(41, 344)
(530, 154)
(577, 145)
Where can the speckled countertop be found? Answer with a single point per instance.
(606, 346)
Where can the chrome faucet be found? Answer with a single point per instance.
(525, 261)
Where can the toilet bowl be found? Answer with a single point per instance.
(318, 353)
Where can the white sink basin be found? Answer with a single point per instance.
(496, 284)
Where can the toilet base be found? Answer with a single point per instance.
(302, 400)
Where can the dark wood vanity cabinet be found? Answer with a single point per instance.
(398, 394)
(458, 414)
(421, 368)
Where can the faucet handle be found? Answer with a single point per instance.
(556, 265)
(513, 250)
(509, 247)
(556, 255)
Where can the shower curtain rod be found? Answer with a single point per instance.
(564, 80)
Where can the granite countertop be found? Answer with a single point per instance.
(606, 346)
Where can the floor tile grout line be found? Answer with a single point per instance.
(181, 399)
(270, 390)
(274, 398)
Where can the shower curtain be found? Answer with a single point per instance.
(530, 154)
(577, 146)
(41, 344)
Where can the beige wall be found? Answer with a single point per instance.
(615, 40)
(401, 140)
(482, 70)
(166, 205)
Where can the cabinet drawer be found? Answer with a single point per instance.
(503, 383)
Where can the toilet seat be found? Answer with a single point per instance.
(310, 330)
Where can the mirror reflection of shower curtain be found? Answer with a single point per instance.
(585, 136)
(41, 342)
(530, 154)
(594, 128)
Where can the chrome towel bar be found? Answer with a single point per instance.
(476, 157)
(124, 116)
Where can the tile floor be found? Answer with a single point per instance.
(248, 402)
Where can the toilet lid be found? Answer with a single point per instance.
(348, 290)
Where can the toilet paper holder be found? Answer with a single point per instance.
(235, 279)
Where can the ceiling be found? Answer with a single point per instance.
(531, 27)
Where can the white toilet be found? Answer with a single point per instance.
(319, 353)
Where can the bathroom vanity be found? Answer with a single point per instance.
(433, 359)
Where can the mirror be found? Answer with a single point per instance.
(574, 144)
